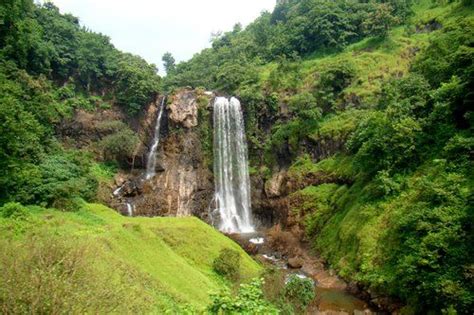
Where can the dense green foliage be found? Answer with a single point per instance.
(368, 105)
(299, 292)
(40, 40)
(50, 67)
(249, 300)
(402, 225)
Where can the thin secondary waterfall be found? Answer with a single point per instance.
(130, 209)
(231, 174)
(151, 159)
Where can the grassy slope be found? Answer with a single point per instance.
(171, 257)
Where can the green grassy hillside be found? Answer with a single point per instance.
(140, 264)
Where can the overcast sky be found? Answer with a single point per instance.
(150, 28)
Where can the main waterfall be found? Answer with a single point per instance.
(151, 158)
(231, 174)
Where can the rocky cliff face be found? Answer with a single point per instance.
(183, 184)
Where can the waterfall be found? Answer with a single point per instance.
(130, 209)
(231, 174)
(151, 159)
(117, 191)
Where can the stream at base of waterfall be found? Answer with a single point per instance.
(332, 293)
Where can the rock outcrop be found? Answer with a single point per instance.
(183, 184)
(274, 186)
(183, 109)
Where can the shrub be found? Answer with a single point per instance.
(298, 291)
(13, 210)
(58, 176)
(249, 300)
(119, 145)
(385, 141)
(334, 78)
(227, 264)
(108, 126)
(304, 106)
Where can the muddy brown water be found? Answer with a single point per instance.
(332, 297)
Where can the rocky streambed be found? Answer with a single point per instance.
(333, 295)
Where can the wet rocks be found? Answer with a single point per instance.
(295, 262)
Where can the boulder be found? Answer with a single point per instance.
(274, 186)
(295, 262)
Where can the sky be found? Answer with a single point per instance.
(150, 28)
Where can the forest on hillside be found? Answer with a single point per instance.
(375, 99)
(51, 66)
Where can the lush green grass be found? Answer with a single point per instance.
(171, 258)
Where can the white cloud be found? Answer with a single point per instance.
(151, 28)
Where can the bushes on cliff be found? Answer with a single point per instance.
(120, 142)
(49, 67)
(385, 142)
(333, 79)
(55, 180)
(433, 227)
(405, 227)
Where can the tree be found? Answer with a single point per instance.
(168, 62)
(380, 20)
(136, 82)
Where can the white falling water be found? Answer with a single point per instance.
(117, 191)
(130, 209)
(231, 172)
(151, 159)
